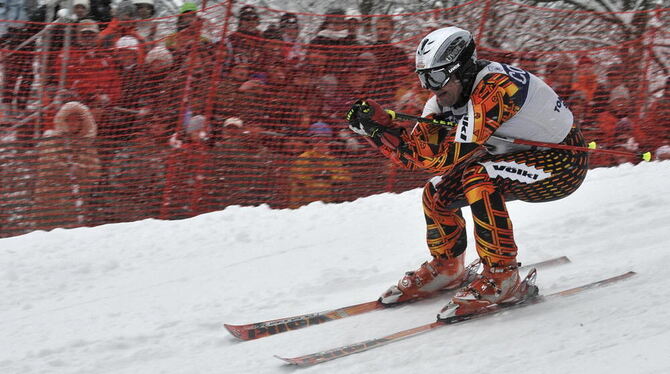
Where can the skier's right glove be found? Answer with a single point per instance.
(366, 117)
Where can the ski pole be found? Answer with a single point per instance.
(592, 146)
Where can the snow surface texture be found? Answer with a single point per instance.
(151, 296)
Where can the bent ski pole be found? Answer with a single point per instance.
(592, 146)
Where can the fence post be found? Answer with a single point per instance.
(218, 67)
(46, 45)
(647, 68)
(183, 114)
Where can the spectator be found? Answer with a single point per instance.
(613, 78)
(128, 58)
(244, 164)
(91, 77)
(38, 16)
(160, 97)
(123, 24)
(136, 170)
(257, 108)
(246, 42)
(325, 49)
(334, 30)
(101, 11)
(613, 128)
(145, 8)
(334, 96)
(586, 78)
(147, 28)
(128, 53)
(196, 83)
(68, 168)
(275, 50)
(354, 24)
(388, 54)
(289, 29)
(82, 9)
(251, 101)
(190, 171)
(225, 104)
(193, 57)
(136, 177)
(271, 32)
(18, 64)
(188, 37)
(316, 174)
(368, 80)
(302, 99)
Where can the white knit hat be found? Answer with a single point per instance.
(88, 25)
(159, 53)
(620, 92)
(85, 3)
(127, 42)
(233, 121)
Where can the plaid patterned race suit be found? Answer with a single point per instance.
(474, 166)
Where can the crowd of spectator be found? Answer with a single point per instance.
(154, 121)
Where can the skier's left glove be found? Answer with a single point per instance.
(366, 117)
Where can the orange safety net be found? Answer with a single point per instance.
(177, 116)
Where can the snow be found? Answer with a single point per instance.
(151, 296)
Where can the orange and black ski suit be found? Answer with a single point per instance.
(474, 166)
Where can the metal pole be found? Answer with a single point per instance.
(66, 49)
(46, 42)
(28, 41)
(646, 156)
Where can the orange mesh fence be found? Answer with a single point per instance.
(177, 116)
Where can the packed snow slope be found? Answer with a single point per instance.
(150, 297)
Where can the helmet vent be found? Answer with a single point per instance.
(453, 51)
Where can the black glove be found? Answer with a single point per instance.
(366, 117)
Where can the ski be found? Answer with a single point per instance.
(346, 350)
(263, 329)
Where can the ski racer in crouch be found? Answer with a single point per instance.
(487, 101)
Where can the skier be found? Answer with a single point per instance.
(473, 165)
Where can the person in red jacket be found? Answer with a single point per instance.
(91, 75)
(124, 24)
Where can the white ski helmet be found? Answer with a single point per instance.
(442, 54)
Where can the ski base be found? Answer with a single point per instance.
(346, 350)
(263, 329)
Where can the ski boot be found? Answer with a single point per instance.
(494, 286)
(433, 276)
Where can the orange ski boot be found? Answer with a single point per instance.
(432, 276)
(495, 285)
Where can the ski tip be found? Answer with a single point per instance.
(288, 360)
(564, 259)
(234, 330)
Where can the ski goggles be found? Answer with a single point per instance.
(434, 79)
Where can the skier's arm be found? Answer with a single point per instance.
(437, 149)
(411, 151)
